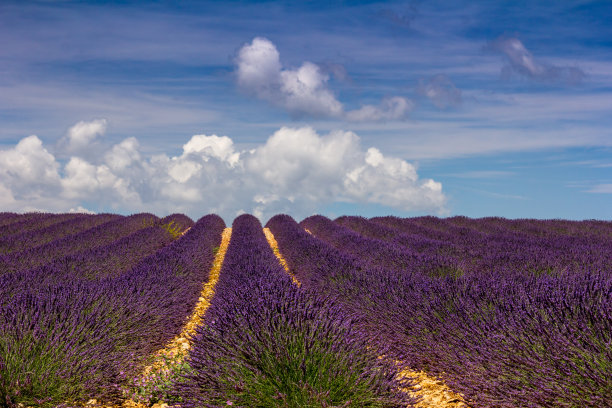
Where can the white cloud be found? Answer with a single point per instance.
(221, 148)
(29, 162)
(80, 178)
(303, 91)
(295, 171)
(259, 68)
(80, 136)
(522, 62)
(391, 181)
(81, 210)
(28, 172)
(122, 155)
(299, 159)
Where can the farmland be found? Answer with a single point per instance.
(110, 310)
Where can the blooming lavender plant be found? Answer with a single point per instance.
(267, 343)
(502, 337)
(73, 225)
(7, 218)
(98, 236)
(32, 222)
(380, 253)
(64, 341)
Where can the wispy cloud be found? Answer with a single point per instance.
(601, 189)
(48, 106)
(520, 61)
(440, 90)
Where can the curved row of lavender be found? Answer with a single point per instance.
(103, 234)
(104, 261)
(501, 334)
(592, 229)
(402, 252)
(510, 247)
(32, 222)
(267, 343)
(7, 218)
(71, 339)
(29, 239)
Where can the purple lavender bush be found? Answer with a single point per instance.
(98, 236)
(380, 253)
(499, 248)
(74, 225)
(65, 341)
(34, 221)
(8, 218)
(267, 343)
(508, 338)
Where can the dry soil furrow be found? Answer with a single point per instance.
(176, 351)
(279, 256)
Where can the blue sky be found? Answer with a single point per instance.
(487, 108)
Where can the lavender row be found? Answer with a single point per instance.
(537, 232)
(109, 260)
(415, 241)
(74, 225)
(7, 218)
(66, 341)
(589, 229)
(498, 251)
(430, 257)
(266, 342)
(177, 224)
(501, 340)
(98, 236)
(35, 221)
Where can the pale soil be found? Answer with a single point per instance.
(281, 260)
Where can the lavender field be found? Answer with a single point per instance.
(320, 313)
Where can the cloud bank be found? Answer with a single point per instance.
(296, 171)
(303, 91)
(520, 61)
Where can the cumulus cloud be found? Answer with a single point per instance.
(79, 137)
(27, 173)
(304, 90)
(296, 171)
(440, 90)
(520, 61)
(28, 166)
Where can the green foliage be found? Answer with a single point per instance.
(158, 386)
(35, 372)
(173, 228)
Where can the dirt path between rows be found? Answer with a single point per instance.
(432, 392)
(176, 351)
